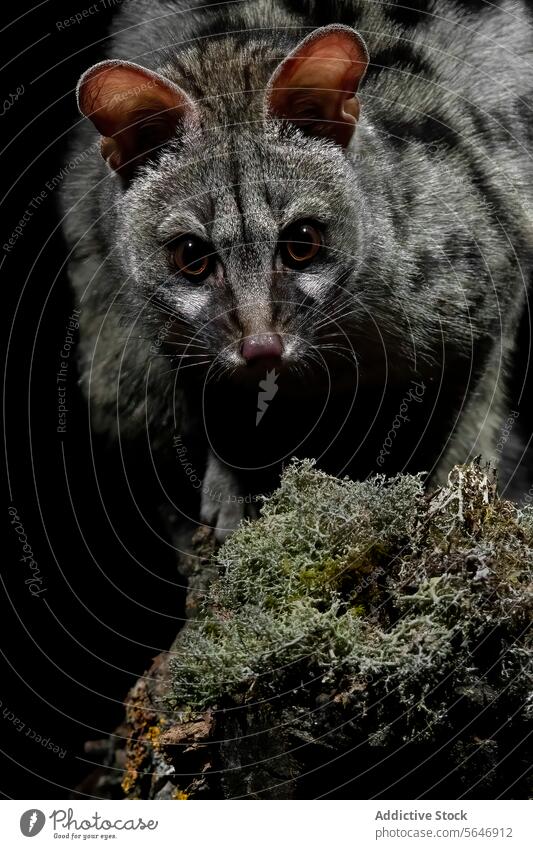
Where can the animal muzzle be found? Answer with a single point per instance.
(262, 348)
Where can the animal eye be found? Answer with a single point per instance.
(195, 258)
(300, 243)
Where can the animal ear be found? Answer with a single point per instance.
(135, 110)
(315, 87)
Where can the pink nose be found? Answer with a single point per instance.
(266, 346)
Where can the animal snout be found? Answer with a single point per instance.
(262, 347)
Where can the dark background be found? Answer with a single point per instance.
(111, 601)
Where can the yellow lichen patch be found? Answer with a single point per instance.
(129, 781)
(180, 795)
(154, 733)
(136, 753)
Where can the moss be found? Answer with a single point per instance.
(391, 604)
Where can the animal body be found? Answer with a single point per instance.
(309, 233)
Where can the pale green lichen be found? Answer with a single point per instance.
(295, 582)
(391, 604)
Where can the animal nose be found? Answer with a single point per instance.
(265, 346)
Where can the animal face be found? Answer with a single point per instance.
(238, 245)
(248, 240)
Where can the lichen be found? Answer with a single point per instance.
(180, 795)
(374, 598)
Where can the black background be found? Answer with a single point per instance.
(111, 600)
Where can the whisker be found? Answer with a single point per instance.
(175, 356)
(215, 375)
(179, 367)
(191, 365)
(187, 345)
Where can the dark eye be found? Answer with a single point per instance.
(300, 243)
(195, 258)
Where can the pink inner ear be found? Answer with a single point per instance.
(329, 64)
(318, 82)
(112, 93)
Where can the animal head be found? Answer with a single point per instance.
(237, 224)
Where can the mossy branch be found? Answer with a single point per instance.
(351, 626)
